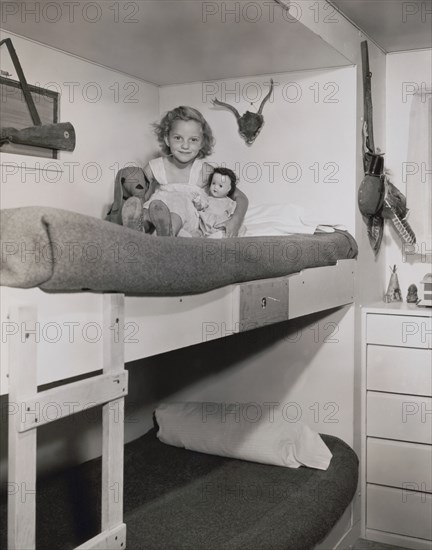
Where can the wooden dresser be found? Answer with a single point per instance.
(397, 425)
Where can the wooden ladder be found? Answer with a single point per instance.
(26, 415)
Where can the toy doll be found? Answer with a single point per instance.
(214, 210)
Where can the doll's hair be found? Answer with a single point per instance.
(229, 174)
(163, 128)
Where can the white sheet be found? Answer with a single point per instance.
(283, 219)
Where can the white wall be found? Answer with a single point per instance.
(304, 367)
(111, 113)
(305, 152)
(406, 72)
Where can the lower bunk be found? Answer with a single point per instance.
(179, 499)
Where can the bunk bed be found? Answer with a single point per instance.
(98, 295)
(95, 274)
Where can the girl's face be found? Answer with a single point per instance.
(185, 140)
(220, 186)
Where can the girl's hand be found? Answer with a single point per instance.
(231, 227)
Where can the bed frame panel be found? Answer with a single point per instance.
(70, 325)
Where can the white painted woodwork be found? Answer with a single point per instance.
(158, 324)
(400, 330)
(28, 410)
(404, 417)
(22, 446)
(396, 454)
(221, 32)
(397, 464)
(201, 41)
(51, 405)
(113, 414)
(71, 325)
(398, 540)
(113, 539)
(394, 25)
(342, 534)
(329, 287)
(405, 512)
(399, 370)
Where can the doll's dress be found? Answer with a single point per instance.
(178, 196)
(217, 211)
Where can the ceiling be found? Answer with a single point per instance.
(394, 25)
(177, 41)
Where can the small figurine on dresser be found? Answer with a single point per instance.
(393, 293)
(412, 297)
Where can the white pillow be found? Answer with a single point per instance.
(276, 219)
(242, 430)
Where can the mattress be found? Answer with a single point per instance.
(60, 250)
(177, 499)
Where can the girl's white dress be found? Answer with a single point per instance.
(178, 196)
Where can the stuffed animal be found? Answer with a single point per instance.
(129, 182)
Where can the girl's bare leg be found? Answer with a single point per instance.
(176, 223)
(160, 217)
(147, 225)
(166, 223)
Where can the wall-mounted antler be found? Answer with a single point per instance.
(249, 123)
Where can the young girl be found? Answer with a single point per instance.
(185, 139)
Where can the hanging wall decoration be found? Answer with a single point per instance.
(371, 192)
(249, 124)
(395, 210)
(58, 136)
(378, 198)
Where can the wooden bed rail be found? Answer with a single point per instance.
(188, 319)
(27, 412)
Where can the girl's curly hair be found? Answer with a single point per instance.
(163, 128)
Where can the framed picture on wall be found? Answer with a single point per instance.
(15, 113)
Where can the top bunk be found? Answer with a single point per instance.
(62, 251)
(196, 290)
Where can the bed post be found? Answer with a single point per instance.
(22, 445)
(113, 414)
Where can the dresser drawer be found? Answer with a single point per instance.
(397, 464)
(399, 370)
(263, 303)
(399, 511)
(399, 330)
(404, 417)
